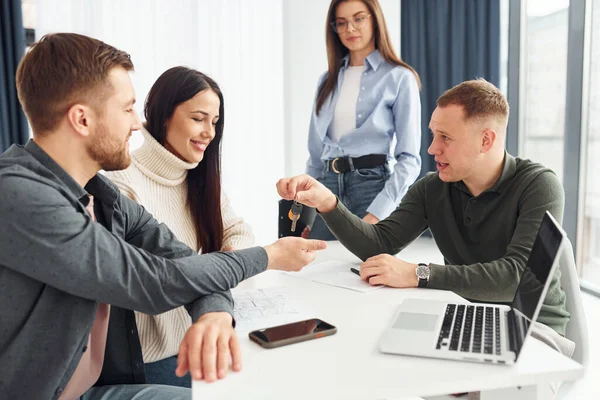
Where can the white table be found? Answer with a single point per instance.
(348, 365)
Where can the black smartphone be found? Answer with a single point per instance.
(295, 332)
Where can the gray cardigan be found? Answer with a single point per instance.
(56, 265)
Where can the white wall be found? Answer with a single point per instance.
(305, 59)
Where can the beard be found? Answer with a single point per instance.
(110, 153)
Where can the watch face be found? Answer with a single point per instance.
(422, 272)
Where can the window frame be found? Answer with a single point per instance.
(576, 110)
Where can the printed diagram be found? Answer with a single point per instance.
(260, 308)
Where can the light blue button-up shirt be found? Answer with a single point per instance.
(388, 105)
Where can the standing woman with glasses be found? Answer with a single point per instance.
(366, 99)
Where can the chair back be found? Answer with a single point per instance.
(577, 326)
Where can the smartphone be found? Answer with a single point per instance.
(295, 332)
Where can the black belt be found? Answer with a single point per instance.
(342, 164)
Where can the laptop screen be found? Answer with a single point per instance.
(535, 276)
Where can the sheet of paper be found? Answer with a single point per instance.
(262, 308)
(335, 273)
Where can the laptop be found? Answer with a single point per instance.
(479, 332)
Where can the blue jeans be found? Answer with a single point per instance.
(137, 392)
(162, 372)
(356, 189)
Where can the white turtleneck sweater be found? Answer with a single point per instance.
(156, 179)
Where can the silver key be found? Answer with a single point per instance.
(295, 211)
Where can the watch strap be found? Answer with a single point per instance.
(423, 281)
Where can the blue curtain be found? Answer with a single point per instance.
(13, 125)
(447, 42)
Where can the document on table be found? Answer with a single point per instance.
(335, 273)
(263, 308)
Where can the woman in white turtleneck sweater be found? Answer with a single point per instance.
(176, 176)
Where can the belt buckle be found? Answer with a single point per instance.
(333, 165)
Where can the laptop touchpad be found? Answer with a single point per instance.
(415, 322)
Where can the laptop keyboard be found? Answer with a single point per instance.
(473, 329)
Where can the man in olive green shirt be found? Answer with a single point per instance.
(483, 207)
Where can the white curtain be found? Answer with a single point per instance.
(238, 43)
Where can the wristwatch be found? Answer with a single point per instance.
(423, 273)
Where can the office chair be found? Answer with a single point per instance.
(577, 327)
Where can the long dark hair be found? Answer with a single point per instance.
(336, 50)
(173, 87)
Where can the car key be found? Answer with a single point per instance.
(294, 214)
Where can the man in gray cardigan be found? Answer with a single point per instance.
(71, 246)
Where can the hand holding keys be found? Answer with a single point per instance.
(294, 214)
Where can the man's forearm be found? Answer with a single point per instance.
(356, 235)
(366, 240)
(476, 280)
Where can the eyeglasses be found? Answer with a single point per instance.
(358, 22)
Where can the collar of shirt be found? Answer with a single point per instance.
(373, 61)
(96, 186)
(508, 171)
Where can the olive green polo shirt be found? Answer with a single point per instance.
(485, 239)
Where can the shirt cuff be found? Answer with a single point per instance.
(215, 302)
(340, 211)
(255, 259)
(382, 206)
(437, 277)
